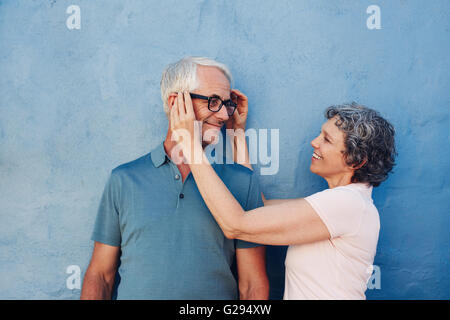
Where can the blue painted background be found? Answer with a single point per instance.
(76, 103)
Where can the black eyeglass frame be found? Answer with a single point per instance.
(227, 103)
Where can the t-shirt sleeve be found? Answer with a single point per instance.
(340, 209)
(107, 226)
(254, 200)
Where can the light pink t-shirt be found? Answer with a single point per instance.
(338, 268)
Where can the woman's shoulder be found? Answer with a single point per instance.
(352, 196)
(360, 191)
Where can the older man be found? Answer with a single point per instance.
(153, 228)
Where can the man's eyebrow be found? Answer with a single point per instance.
(218, 96)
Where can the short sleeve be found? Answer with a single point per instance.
(254, 200)
(107, 226)
(341, 210)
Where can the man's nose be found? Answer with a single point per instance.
(222, 114)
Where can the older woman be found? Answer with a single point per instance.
(333, 234)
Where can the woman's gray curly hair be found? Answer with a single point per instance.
(369, 141)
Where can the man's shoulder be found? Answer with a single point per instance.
(132, 166)
(235, 168)
(243, 183)
(236, 176)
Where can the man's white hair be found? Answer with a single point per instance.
(182, 76)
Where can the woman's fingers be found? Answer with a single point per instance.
(237, 116)
(188, 105)
(241, 112)
(242, 99)
(182, 114)
(239, 94)
(174, 117)
(181, 110)
(184, 106)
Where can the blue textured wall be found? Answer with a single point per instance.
(76, 103)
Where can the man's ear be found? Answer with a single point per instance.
(171, 100)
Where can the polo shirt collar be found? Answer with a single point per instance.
(158, 155)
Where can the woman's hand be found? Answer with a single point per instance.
(239, 118)
(182, 125)
(238, 122)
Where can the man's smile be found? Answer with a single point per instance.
(215, 125)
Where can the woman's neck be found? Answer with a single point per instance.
(339, 181)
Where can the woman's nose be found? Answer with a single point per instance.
(314, 143)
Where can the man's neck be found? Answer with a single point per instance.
(169, 144)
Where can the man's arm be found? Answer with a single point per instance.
(99, 278)
(251, 268)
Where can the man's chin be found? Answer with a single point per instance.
(212, 126)
(211, 134)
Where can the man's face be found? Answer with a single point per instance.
(211, 81)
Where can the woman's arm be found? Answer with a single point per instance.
(293, 222)
(272, 202)
(240, 148)
(287, 223)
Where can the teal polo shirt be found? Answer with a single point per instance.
(171, 246)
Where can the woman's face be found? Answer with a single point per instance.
(328, 159)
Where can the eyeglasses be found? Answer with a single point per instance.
(215, 103)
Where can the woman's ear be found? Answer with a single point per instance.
(359, 166)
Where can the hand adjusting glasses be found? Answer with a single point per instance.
(215, 103)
